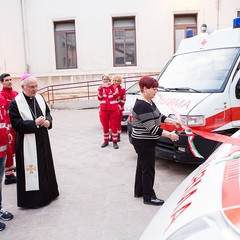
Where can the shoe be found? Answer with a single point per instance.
(10, 180)
(104, 145)
(115, 145)
(137, 195)
(2, 226)
(5, 215)
(154, 201)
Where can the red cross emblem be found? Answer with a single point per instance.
(204, 41)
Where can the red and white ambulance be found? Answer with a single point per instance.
(201, 85)
(206, 205)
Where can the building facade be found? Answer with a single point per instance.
(63, 41)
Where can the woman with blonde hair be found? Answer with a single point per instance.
(117, 81)
(109, 111)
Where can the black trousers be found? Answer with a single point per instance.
(145, 171)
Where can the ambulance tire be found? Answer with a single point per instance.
(129, 131)
(216, 146)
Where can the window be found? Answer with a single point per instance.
(65, 45)
(181, 24)
(124, 42)
(183, 72)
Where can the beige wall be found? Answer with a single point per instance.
(34, 46)
(11, 37)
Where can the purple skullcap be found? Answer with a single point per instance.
(24, 76)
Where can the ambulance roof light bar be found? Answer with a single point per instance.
(236, 22)
(189, 33)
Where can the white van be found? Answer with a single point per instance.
(201, 84)
(206, 205)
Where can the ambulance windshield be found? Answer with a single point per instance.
(203, 71)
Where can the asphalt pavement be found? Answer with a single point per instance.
(96, 187)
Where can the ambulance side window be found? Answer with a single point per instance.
(237, 91)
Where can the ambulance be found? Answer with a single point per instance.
(200, 86)
(206, 205)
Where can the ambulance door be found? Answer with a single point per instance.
(235, 98)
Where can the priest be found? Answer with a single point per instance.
(30, 118)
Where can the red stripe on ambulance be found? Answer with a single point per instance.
(231, 192)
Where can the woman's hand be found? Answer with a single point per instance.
(174, 122)
(173, 136)
(177, 124)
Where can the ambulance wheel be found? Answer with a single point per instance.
(216, 146)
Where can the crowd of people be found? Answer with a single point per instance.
(147, 129)
(24, 123)
(25, 119)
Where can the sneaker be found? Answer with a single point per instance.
(10, 180)
(5, 215)
(2, 226)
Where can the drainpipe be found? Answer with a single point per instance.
(218, 9)
(25, 36)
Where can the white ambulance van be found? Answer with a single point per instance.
(206, 205)
(201, 84)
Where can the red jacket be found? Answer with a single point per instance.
(121, 97)
(108, 98)
(3, 128)
(9, 95)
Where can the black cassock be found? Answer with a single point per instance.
(48, 188)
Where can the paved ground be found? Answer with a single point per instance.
(96, 187)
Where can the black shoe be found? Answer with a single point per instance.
(10, 180)
(115, 145)
(2, 226)
(137, 195)
(154, 201)
(104, 145)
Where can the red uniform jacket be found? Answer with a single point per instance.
(108, 98)
(121, 97)
(3, 128)
(9, 95)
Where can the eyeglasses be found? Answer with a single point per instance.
(105, 79)
(33, 87)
